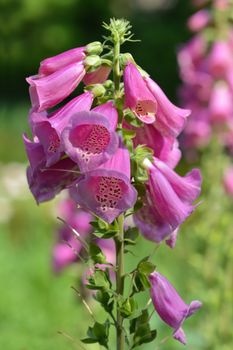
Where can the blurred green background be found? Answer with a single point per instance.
(35, 304)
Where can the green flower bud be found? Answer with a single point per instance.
(97, 89)
(94, 48)
(125, 58)
(92, 62)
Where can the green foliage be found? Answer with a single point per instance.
(140, 328)
(98, 334)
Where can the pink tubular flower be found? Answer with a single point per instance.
(169, 305)
(137, 96)
(228, 181)
(98, 76)
(46, 183)
(107, 191)
(170, 119)
(221, 104)
(55, 63)
(47, 91)
(220, 59)
(152, 226)
(199, 20)
(48, 129)
(169, 200)
(165, 148)
(89, 138)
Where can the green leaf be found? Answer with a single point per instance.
(99, 280)
(144, 337)
(146, 267)
(96, 254)
(131, 235)
(105, 299)
(127, 306)
(89, 341)
(98, 334)
(141, 328)
(128, 134)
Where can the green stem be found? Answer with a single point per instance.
(119, 241)
(116, 65)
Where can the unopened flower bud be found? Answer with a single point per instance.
(126, 58)
(94, 48)
(92, 61)
(98, 90)
(108, 84)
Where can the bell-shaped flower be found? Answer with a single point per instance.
(55, 63)
(198, 131)
(138, 98)
(98, 76)
(170, 306)
(46, 182)
(48, 129)
(191, 56)
(221, 103)
(170, 195)
(90, 138)
(47, 91)
(170, 119)
(151, 224)
(107, 191)
(165, 148)
(220, 59)
(199, 20)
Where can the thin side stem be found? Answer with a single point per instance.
(119, 241)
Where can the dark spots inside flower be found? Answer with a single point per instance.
(146, 108)
(110, 191)
(90, 139)
(54, 143)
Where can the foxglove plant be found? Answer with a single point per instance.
(206, 65)
(115, 148)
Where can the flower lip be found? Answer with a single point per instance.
(146, 110)
(107, 193)
(89, 140)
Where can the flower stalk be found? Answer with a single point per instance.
(115, 149)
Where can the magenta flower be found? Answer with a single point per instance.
(165, 148)
(220, 59)
(170, 119)
(169, 200)
(89, 138)
(107, 191)
(48, 129)
(47, 91)
(55, 63)
(199, 20)
(137, 95)
(98, 76)
(151, 224)
(46, 182)
(221, 104)
(169, 305)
